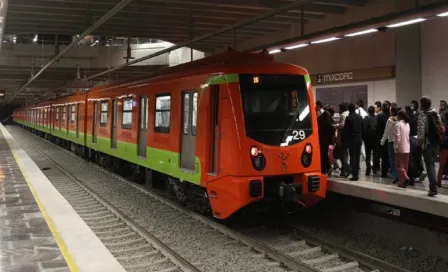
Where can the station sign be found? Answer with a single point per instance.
(354, 75)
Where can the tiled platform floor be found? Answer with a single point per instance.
(26, 242)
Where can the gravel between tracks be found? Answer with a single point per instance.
(196, 242)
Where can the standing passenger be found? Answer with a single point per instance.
(326, 132)
(360, 110)
(353, 134)
(383, 149)
(402, 148)
(413, 170)
(319, 107)
(377, 107)
(389, 136)
(343, 149)
(443, 154)
(443, 108)
(417, 157)
(428, 121)
(370, 140)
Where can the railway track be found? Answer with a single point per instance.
(135, 248)
(295, 250)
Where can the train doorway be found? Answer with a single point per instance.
(188, 144)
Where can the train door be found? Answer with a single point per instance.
(78, 119)
(95, 120)
(188, 144)
(214, 120)
(143, 127)
(114, 124)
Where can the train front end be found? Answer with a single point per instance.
(275, 157)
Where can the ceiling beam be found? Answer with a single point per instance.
(98, 23)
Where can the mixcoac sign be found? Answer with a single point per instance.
(355, 75)
(334, 77)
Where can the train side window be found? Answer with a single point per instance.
(186, 113)
(194, 113)
(57, 114)
(162, 122)
(73, 113)
(103, 117)
(64, 113)
(127, 113)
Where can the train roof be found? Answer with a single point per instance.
(223, 59)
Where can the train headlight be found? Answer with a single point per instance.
(258, 159)
(307, 155)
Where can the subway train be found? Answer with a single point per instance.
(221, 133)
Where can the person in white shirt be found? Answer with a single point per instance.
(389, 135)
(360, 110)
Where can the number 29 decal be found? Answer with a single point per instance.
(298, 135)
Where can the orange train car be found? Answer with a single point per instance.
(221, 133)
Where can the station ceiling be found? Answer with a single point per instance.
(175, 21)
(168, 20)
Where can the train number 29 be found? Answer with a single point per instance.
(298, 135)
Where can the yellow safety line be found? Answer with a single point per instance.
(62, 246)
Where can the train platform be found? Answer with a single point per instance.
(384, 191)
(39, 230)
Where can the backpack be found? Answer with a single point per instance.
(371, 124)
(436, 130)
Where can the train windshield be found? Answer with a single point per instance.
(276, 108)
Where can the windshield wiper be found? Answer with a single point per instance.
(293, 120)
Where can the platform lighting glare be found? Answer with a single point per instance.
(275, 51)
(414, 21)
(297, 46)
(35, 38)
(362, 32)
(443, 14)
(326, 40)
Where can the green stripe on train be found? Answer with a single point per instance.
(163, 161)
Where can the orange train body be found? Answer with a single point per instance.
(239, 127)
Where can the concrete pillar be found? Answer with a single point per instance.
(408, 84)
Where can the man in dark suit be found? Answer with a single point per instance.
(383, 149)
(352, 136)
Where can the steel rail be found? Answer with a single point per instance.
(363, 259)
(86, 32)
(255, 19)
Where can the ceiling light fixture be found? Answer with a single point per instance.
(325, 40)
(443, 14)
(362, 32)
(296, 46)
(275, 51)
(414, 21)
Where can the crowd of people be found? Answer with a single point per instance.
(397, 143)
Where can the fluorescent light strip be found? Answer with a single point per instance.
(296, 46)
(407, 22)
(443, 14)
(275, 51)
(325, 40)
(362, 32)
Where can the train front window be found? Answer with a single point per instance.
(276, 108)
